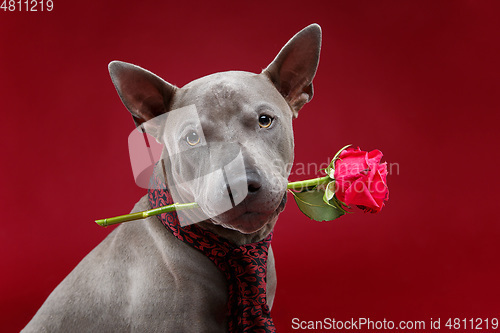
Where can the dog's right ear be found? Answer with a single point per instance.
(143, 93)
(293, 69)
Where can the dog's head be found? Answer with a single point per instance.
(228, 136)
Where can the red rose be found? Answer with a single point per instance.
(360, 179)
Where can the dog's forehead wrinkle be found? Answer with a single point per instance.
(223, 85)
(229, 76)
(224, 89)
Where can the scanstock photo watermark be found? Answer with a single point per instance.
(367, 324)
(301, 169)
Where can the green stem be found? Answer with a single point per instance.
(174, 207)
(303, 184)
(146, 213)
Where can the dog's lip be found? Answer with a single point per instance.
(246, 222)
(244, 208)
(244, 211)
(241, 211)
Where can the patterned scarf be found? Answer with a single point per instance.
(244, 268)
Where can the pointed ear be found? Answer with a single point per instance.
(293, 69)
(143, 93)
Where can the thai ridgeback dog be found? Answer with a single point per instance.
(141, 278)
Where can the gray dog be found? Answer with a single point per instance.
(141, 278)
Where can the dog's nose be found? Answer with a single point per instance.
(239, 187)
(254, 182)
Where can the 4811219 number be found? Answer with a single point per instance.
(472, 324)
(27, 5)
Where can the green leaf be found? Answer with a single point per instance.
(312, 205)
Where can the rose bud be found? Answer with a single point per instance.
(360, 179)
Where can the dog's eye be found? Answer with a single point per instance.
(265, 121)
(192, 138)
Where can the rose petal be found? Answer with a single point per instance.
(379, 190)
(359, 194)
(375, 156)
(382, 169)
(378, 187)
(350, 163)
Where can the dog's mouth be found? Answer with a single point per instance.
(250, 216)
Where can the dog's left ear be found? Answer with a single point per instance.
(293, 69)
(143, 93)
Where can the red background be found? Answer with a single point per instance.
(417, 79)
